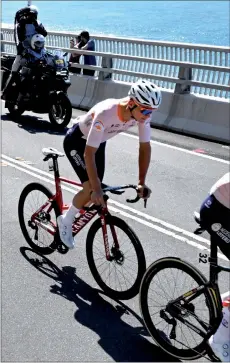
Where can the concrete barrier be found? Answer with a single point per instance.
(198, 116)
(188, 114)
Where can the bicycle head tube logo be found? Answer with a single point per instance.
(216, 227)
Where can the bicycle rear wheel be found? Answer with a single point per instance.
(157, 291)
(33, 197)
(120, 278)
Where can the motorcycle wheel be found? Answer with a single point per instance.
(60, 112)
(15, 112)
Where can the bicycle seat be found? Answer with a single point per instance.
(50, 151)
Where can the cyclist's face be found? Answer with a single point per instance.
(140, 113)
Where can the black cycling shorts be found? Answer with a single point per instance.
(74, 147)
(216, 219)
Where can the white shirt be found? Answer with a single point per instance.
(104, 121)
(221, 190)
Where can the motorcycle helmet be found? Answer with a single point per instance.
(37, 42)
(33, 11)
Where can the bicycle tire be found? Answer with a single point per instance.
(119, 223)
(26, 191)
(151, 272)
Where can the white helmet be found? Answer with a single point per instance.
(37, 42)
(33, 8)
(146, 93)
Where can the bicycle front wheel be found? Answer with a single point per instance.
(120, 277)
(164, 281)
(32, 198)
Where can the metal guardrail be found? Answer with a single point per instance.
(181, 67)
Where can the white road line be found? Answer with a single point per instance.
(123, 206)
(206, 156)
(23, 167)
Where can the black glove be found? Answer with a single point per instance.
(23, 20)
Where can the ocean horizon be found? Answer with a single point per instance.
(198, 22)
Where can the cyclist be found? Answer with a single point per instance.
(215, 213)
(85, 142)
(215, 216)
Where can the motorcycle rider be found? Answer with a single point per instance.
(37, 51)
(27, 26)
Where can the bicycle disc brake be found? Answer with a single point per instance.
(117, 255)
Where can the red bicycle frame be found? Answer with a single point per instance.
(80, 222)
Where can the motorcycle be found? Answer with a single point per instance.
(46, 81)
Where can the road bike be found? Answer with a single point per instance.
(181, 317)
(120, 258)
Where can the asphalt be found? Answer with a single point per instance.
(52, 311)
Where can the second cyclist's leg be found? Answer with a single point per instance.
(216, 218)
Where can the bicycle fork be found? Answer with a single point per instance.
(115, 252)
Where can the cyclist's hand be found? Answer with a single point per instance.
(97, 198)
(144, 191)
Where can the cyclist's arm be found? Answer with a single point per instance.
(144, 150)
(144, 161)
(41, 30)
(93, 142)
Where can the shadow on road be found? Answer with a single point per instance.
(121, 341)
(34, 124)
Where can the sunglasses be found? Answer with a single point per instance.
(146, 111)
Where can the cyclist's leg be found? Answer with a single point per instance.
(74, 149)
(83, 197)
(220, 341)
(74, 146)
(216, 219)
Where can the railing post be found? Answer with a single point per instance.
(2, 44)
(185, 74)
(106, 62)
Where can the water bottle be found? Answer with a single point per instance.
(220, 341)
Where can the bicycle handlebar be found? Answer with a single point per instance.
(118, 190)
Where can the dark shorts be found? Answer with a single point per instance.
(74, 147)
(216, 219)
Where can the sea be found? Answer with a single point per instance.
(198, 22)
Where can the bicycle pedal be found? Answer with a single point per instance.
(62, 249)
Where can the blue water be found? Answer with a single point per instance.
(203, 22)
